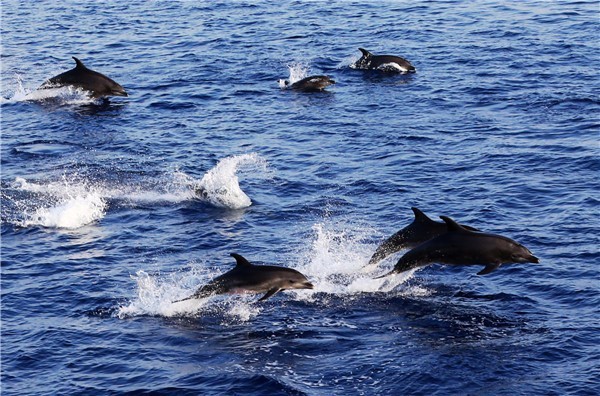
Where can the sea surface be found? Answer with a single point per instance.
(113, 209)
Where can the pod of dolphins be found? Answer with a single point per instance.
(429, 241)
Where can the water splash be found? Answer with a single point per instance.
(75, 200)
(298, 71)
(155, 296)
(61, 205)
(335, 262)
(66, 95)
(220, 185)
(76, 212)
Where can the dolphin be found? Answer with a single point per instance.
(250, 278)
(420, 230)
(460, 246)
(389, 63)
(310, 83)
(81, 77)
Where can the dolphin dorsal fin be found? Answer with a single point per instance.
(419, 215)
(78, 63)
(452, 225)
(241, 262)
(365, 52)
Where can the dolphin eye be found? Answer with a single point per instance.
(291, 281)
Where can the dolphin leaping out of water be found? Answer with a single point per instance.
(420, 230)
(250, 278)
(310, 83)
(89, 80)
(460, 246)
(388, 63)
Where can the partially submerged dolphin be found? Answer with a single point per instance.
(389, 63)
(420, 230)
(250, 278)
(310, 83)
(81, 77)
(460, 246)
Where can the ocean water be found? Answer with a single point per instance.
(103, 224)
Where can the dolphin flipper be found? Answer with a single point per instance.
(269, 294)
(489, 268)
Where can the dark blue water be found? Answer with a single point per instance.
(102, 229)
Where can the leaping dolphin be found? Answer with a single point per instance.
(250, 278)
(420, 230)
(460, 246)
(310, 83)
(89, 80)
(388, 63)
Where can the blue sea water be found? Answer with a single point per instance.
(102, 226)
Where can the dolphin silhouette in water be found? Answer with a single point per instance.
(310, 83)
(89, 80)
(388, 63)
(420, 230)
(460, 246)
(250, 278)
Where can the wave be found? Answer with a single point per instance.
(75, 200)
(220, 185)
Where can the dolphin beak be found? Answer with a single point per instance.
(308, 285)
(119, 92)
(533, 259)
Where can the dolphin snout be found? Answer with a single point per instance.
(533, 259)
(308, 285)
(119, 92)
